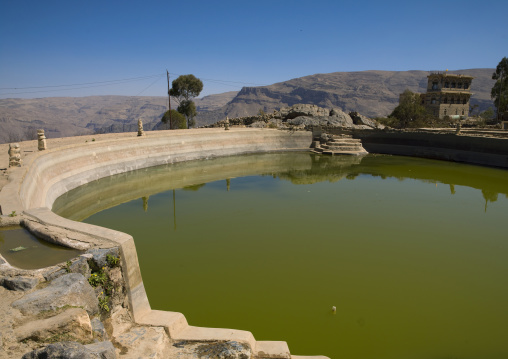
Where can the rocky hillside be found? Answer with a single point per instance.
(74, 116)
(370, 93)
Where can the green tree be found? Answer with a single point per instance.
(184, 89)
(499, 92)
(410, 109)
(178, 120)
(188, 108)
(488, 114)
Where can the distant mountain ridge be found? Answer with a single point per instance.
(371, 93)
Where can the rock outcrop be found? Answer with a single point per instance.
(69, 288)
(74, 322)
(304, 116)
(72, 350)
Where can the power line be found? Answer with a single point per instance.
(153, 83)
(81, 84)
(103, 84)
(71, 87)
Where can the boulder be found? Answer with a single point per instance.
(98, 329)
(308, 121)
(54, 273)
(19, 283)
(73, 322)
(100, 254)
(298, 110)
(70, 289)
(362, 120)
(223, 350)
(212, 349)
(340, 118)
(81, 266)
(73, 350)
(145, 342)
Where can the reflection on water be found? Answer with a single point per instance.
(404, 248)
(300, 168)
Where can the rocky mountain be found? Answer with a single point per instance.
(371, 93)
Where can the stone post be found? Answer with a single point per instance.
(140, 128)
(14, 155)
(457, 130)
(226, 124)
(41, 139)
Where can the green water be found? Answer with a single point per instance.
(412, 252)
(23, 250)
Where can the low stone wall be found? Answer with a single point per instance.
(478, 150)
(43, 177)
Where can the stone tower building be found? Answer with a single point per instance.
(448, 95)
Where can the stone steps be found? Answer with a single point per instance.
(337, 147)
(340, 145)
(176, 326)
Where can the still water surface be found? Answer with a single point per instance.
(22, 249)
(412, 252)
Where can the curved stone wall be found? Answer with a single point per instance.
(46, 175)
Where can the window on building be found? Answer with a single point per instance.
(456, 111)
(466, 85)
(459, 85)
(464, 101)
(452, 101)
(445, 112)
(453, 85)
(445, 100)
(462, 112)
(433, 101)
(446, 84)
(434, 85)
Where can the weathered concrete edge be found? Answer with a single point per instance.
(483, 151)
(35, 189)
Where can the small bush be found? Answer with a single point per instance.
(112, 260)
(99, 278)
(104, 303)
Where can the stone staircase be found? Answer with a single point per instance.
(340, 145)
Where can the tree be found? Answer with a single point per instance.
(499, 92)
(183, 89)
(177, 120)
(188, 108)
(488, 114)
(410, 109)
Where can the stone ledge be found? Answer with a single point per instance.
(272, 349)
(173, 322)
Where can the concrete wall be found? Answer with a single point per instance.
(485, 151)
(56, 172)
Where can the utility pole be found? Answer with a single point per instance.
(169, 104)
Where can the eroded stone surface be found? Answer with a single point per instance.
(100, 255)
(73, 323)
(210, 350)
(19, 283)
(145, 342)
(98, 329)
(73, 350)
(70, 289)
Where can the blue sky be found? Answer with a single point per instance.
(230, 44)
